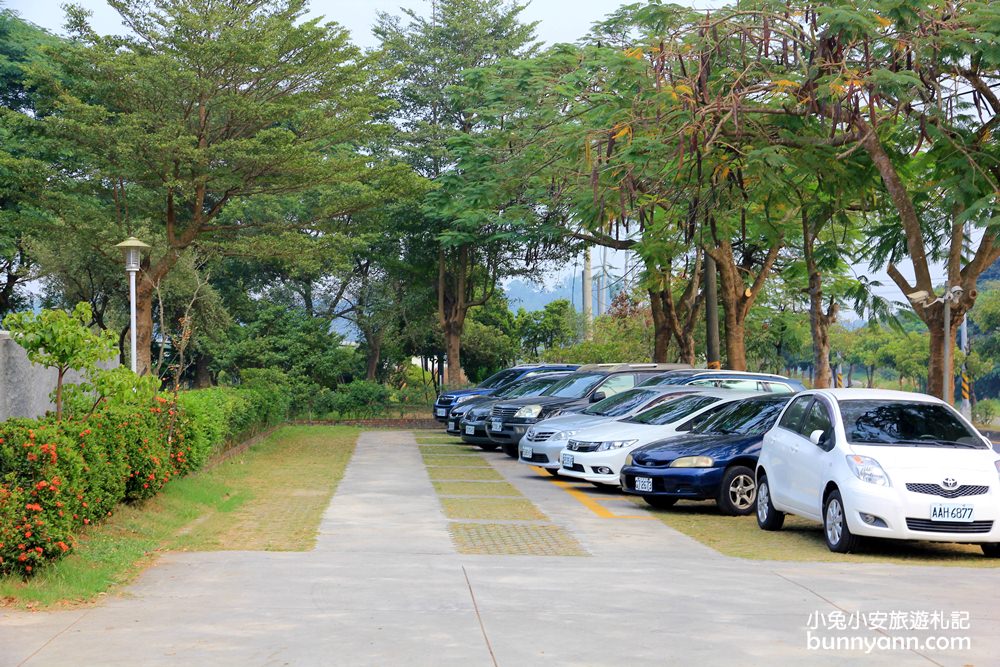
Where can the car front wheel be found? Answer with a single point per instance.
(839, 537)
(510, 449)
(738, 492)
(768, 518)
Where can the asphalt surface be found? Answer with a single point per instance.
(385, 586)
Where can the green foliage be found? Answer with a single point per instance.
(556, 325)
(625, 340)
(985, 411)
(486, 350)
(61, 340)
(359, 399)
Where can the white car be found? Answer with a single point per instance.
(597, 454)
(882, 464)
(542, 442)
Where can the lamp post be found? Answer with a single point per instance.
(132, 250)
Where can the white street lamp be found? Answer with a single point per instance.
(132, 249)
(952, 294)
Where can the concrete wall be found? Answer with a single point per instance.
(24, 386)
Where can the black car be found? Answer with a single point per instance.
(590, 383)
(715, 460)
(475, 412)
(449, 399)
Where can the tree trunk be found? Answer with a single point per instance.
(661, 326)
(144, 326)
(59, 393)
(850, 374)
(453, 347)
(374, 356)
(202, 372)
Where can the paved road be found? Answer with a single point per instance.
(385, 586)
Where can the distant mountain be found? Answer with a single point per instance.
(532, 296)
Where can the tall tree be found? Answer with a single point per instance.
(206, 103)
(431, 54)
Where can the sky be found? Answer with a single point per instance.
(558, 21)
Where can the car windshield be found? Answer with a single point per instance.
(894, 422)
(621, 404)
(672, 410)
(576, 385)
(500, 379)
(749, 417)
(668, 379)
(531, 388)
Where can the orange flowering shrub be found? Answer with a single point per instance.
(56, 477)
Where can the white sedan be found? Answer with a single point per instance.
(597, 454)
(881, 464)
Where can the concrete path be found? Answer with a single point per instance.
(385, 586)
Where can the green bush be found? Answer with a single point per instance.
(360, 399)
(986, 411)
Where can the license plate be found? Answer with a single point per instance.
(951, 512)
(496, 425)
(441, 412)
(643, 483)
(470, 429)
(527, 452)
(567, 461)
(454, 426)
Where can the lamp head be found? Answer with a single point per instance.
(132, 249)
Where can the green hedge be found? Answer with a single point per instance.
(57, 477)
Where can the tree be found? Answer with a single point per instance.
(206, 103)
(61, 340)
(474, 233)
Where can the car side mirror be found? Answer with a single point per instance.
(818, 437)
(598, 396)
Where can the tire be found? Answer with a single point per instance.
(660, 502)
(768, 518)
(991, 549)
(738, 492)
(552, 471)
(839, 537)
(510, 449)
(489, 448)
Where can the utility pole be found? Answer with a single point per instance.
(588, 296)
(966, 384)
(711, 314)
(949, 395)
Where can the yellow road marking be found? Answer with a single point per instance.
(587, 501)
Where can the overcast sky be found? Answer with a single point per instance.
(560, 21)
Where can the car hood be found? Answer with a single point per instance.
(536, 400)
(572, 421)
(717, 446)
(936, 461)
(619, 430)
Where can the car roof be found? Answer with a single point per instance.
(622, 368)
(858, 393)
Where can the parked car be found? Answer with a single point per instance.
(597, 454)
(715, 460)
(543, 441)
(869, 462)
(721, 379)
(470, 419)
(449, 399)
(509, 420)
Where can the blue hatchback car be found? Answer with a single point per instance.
(716, 460)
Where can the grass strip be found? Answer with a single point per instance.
(475, 489)
(494, 509)
(459, 460)
(463, 473)
(270, 497)
(802, 540)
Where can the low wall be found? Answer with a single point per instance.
(24, 386)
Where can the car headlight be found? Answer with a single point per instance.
(693, 462)
(997, 464)
(562, 435)
(628, 460)
(467, 397)
(614, 444)
(868, 470)
(529, 411)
